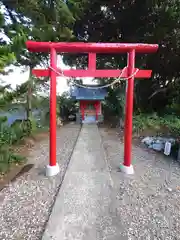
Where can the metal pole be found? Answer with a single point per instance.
(129, 110)
(53, 61)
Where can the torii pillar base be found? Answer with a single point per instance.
(127, 169)
(52, 170)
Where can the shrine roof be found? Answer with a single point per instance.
(81, 93)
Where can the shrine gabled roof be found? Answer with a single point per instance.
(81, 93)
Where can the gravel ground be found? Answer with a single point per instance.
(25, 204)
(149, 201)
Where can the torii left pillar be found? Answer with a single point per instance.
(53, 167)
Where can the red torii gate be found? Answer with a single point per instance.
(92, 49)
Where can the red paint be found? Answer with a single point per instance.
(53, 109)
(100, 108)
(81, 47)
(82, 107)
(96, 114)
(83, 113)
(84, 104)
(94, 73)
(92, 62)
(96, 105)
(92, 49)
(129, 110)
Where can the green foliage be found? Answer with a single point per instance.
(7, 57)
(32, 124)
(153, 22)
(14, 134)
(167, 123)
(115, 102)
(142, 122)
(172, 123)
(50, 20)
(20, 129)
(66, 105)
(8, 96)
(9, 136)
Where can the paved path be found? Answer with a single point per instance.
(85, 208)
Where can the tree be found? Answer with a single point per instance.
(153, 22)
(67, 105)
(40, 21)
(6, 57)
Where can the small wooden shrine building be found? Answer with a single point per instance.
(90, 103)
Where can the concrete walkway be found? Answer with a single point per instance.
(85, 208)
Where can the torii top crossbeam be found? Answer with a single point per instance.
(91, 49)
(81, 47)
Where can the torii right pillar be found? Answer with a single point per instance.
(127, 166)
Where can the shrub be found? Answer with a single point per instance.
(142, 122)
(8, 136)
